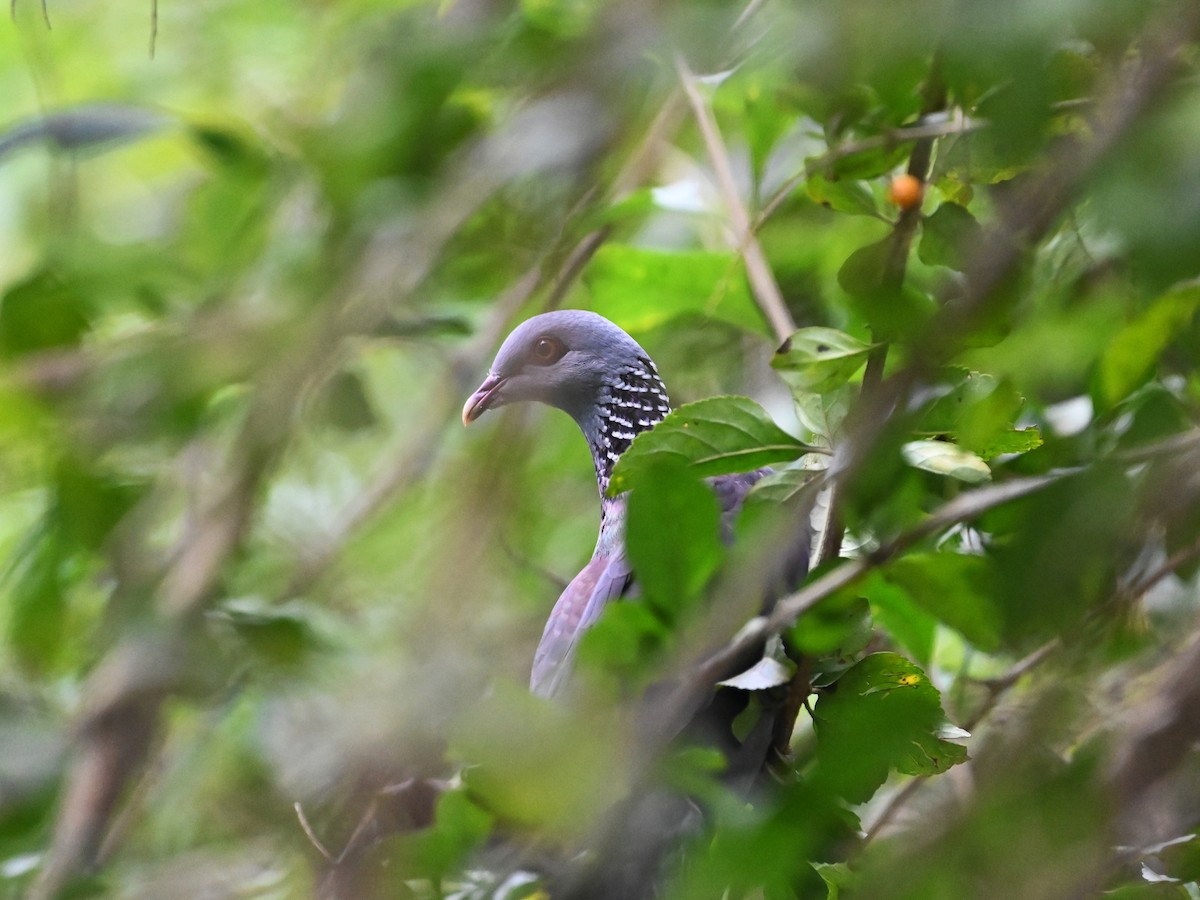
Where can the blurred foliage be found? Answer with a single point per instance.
(248, 281)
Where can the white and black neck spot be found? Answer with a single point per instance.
(633, 400)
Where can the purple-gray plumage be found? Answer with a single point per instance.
(588, 367)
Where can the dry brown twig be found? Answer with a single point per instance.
(758, 270)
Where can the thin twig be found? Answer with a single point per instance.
(959, 124)
(153, 26)
(310, 834)
(1180, 557)
(758, 270)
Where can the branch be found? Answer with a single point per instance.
(758, 270)
(929, 127)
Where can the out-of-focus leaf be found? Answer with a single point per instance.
(819, 359)
(890, 312)
(1014, 440)
(570, 19)
(837, 626)
(1074, 70)
(280, 636)
(44, 311)
(781, 486)
(672, 536)
(949, 237)
(836, 876)
(693, 770)
(556, 771)
(643, 288)
(979, 412)
(955, 588)
(861, 275)
(460, 825)
(1055, 551)
(344, 403)
(232, 146)
(898, 616)
(870, 163)
(89, 503)
(882, 714)
(625, 639)
(39, 605)
(844, 195)
(424, 326)
(1132, 355)
(716, 436)
(945, 458)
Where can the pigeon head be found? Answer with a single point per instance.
(586, 366)
(567, 359)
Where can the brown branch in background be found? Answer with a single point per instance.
(758, 270)
(1167, 729)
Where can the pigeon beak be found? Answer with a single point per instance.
(480, 401)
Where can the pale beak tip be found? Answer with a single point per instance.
(480, 401)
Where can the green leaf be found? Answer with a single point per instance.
(820, 359)
(836, 876)
(782, 486)
(88, 503)
(460, 825)
(1014, 440)
(979, 412)
(870, 163)
(844, 195)
(956, 589)
(46, 310)
(37, 621)
(643, 288)
(861, 275)
(948, 237)
(837, 626)
(1132, 355)
(945, 458)
(672, 536)
(900, 617)
(278, 635)
(716, 436)
(343, 402)
(883, 714)
(890, 312)
(626, 637)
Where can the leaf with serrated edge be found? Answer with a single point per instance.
(819, 359)
(717, 436)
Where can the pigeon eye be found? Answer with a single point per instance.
(547, 350)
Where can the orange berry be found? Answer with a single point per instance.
(906, 191)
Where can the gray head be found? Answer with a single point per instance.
(583, 364)
(566, 359)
